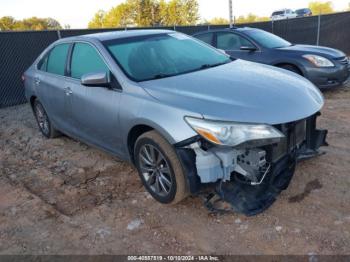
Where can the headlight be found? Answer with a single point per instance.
(234, 134)
(319, 61)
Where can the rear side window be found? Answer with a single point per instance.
(86, 59)
(207, 38)
(43, 63)
(56, 62)
(230, 41)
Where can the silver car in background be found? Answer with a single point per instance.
(188, 117)
(283, 14)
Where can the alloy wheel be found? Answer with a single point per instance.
(42, 119)
(155, 170)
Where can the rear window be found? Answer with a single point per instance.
(56, 62)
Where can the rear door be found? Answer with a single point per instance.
(94, 111)
(49, 81)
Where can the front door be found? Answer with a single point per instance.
(232, 43)
(94, 111)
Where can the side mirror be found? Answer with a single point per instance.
(248, 48)
(96, 79)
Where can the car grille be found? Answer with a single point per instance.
(295, 135)
(344, 60)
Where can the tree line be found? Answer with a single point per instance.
(175, 12)
(8, 23)
(148, 13)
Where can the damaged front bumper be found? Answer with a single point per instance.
(250, 179)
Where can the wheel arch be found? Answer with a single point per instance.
(31, 100)
(134, 133)
(297, 67)
(138, 129)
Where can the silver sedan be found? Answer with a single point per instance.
(190, 118)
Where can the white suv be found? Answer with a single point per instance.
(283, 14)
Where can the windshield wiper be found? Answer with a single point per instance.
(204, 66)
(161, 75)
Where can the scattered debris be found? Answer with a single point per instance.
(135, 224)
(278, 228)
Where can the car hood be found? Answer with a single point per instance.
(318, 50)
(240, 91)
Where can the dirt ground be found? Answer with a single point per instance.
(62, 197)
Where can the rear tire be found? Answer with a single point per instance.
(160, 169)
(43, 121)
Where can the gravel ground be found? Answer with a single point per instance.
(60, 196)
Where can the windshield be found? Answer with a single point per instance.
(267, 40)
(278, 13)
(163, 55)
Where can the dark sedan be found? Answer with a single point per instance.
(325, 67)
(303, 12)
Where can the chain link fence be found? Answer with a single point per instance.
(18, 50)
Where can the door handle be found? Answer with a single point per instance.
(68, 91)
(37, 81)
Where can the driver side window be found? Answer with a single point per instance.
(231, 41)
(85, 59)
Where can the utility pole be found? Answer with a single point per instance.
(230, 13)
(318, 28)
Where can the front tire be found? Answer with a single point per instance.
(160, 169)
(291, 68)
(43, 121)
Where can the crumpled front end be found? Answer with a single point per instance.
(250, 178)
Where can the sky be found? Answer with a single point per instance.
(77, 13)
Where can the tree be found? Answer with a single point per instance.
(250, 18)
(121, 15)
(163, 12)
(146, 12)
(190, 9)
(97, 21)
(321, 7)
(52, 23)
(174, 15)
(219, 21)
(7, 23)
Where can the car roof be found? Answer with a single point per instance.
(280, 10)
(105, 36)
(234, 29)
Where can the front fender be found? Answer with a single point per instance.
(293, 62)
(167, 120)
